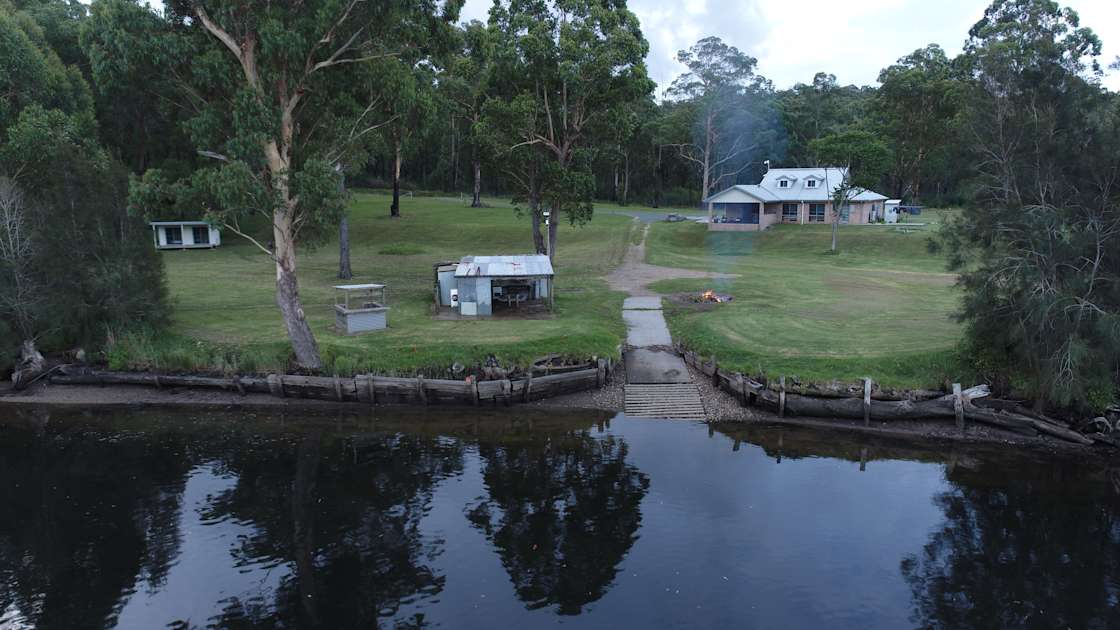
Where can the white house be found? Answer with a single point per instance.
(185, 235)
(790, 195)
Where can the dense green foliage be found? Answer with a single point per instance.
(1039, 252)
(74, 267)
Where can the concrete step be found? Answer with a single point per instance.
(677, 401)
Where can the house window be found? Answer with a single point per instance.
(816, 213)
(201, 235)
(783, 183)
(789, 213)
(770, 210)
(174, 235)
(810, 183)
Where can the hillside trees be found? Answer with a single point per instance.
(276, 103)
(916, 106)
(725, 108)
(564, 68)
(818, 109)
(1039, 253)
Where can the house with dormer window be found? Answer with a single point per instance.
(790, 195)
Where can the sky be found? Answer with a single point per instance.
(852, 39)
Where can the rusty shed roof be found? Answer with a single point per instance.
(503, 266)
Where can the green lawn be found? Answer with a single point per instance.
(880, 308)
(225, 315)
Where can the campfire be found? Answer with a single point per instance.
(713, 297)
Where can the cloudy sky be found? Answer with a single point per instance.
(853, 39)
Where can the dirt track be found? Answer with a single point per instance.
(634, 274)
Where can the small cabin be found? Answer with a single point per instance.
(185, 235)
(484, 286)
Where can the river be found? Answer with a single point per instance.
(174, 519)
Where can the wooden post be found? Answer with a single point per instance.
(156, 378)
(741, 389)
(601, 373)
(866, 402)
(507, 389)
(372, 391)
(958, 405)
(420, 388)
(337, 389)
(782, 396)
(276, 385)
(528, 387)
(715, 373)
(477, 398)
(238, 385)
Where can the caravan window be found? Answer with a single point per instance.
(201, 235)
(174, 235)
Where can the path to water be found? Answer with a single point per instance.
(650, 358)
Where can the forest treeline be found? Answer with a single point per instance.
(233, 109)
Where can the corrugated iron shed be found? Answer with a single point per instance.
(504, 266)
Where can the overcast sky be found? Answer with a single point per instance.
(853, 39)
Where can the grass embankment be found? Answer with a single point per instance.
(225, 316)
(881, 308)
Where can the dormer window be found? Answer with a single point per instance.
(810, 183)
(783, 183)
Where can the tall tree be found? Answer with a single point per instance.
(564, 67)
(468, 82)
(275, 91)
(1038, 251)
(718, 89)
(917, 106)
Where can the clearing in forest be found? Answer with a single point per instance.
(882, 307)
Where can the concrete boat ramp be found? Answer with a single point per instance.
(658, 384)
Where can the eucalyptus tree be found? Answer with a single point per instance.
(817, 109)
(722, 95)
(917, 106)
(564, 66)
(468, 82)
(279, 93)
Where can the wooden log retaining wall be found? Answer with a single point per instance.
(366, 388)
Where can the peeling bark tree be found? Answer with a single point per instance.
(302, 97)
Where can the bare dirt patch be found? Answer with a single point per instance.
(634, 275)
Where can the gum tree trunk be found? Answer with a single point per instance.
(553, 228)
(395, 209)
(344, 271)
(476, 199)
(535, 216)
(287, 296)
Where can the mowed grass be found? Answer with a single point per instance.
(225, 310)
(881, 308)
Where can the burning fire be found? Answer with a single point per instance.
(712, 296)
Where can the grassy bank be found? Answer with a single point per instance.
(225, 315)
(880, 308)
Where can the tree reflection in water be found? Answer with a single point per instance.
(562, 513)
(345, 515)
(1035, 552)
(86, 520)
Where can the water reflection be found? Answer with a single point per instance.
(147, 520)
(1041, 550)
(562, 513)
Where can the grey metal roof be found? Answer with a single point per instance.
(155, 223)
(503, 266)
(830, 178)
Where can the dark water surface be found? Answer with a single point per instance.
(166, 519)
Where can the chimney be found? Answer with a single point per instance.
(766, 163)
